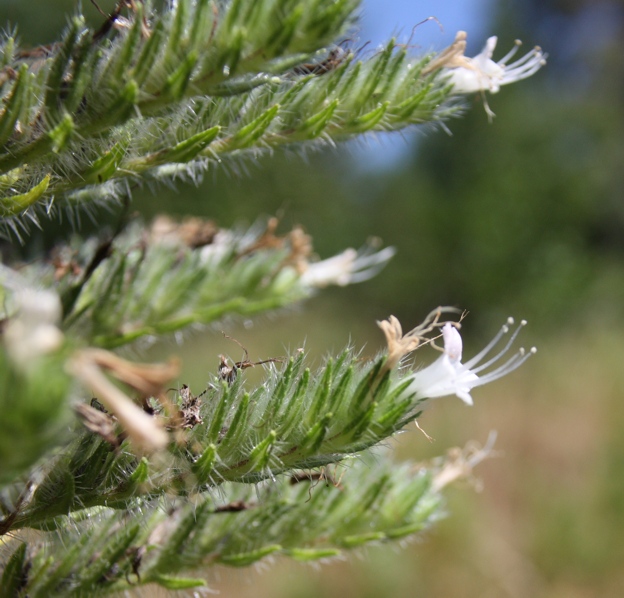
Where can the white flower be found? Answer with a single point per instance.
(32, 331)
(448, 376)
(481, 73)
(348, 267)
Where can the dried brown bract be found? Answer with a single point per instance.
(235, 507)
(229, 372)
(189, 414)
(316, 477)
(135, 554)
(191, 232)
(451, 57)
(7, 74)
(64, 264)
(118, 22)
(300, 249)
(148, 379)
(144, 431)
(267, 240)
(99, 423)
(400, 345)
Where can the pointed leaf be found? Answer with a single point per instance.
(15, 204)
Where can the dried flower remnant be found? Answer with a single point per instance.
(65, 264)
(229, 373)
(450, 57)
(99, 423)
(315, 477)
(191, 232)
(449, 376)
(148, 379)
(190, 409)
(459, 463)
(226, 244)
(144, 431)
(300, 244)
(399, 344)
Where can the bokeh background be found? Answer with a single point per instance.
(523, 217)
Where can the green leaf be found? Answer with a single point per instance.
(361, 539)
(312, 554)
(204, 465)
(261, 454)
(187, 150)
(404, 110)
(283, 385)
(292, 413)
(244, 559)
(116, 71)
(178, 583)
(179, 79)
(15, 573)
(147, 58)
(141, 474)
(61, 134)
(172, 551)
(370, 120)
(82, 69)
(358, 425)
(315, 436)
(55, 82)
(109, 556)
(14, 104)
(15, 204)
(105, 167)
(117, 112)
(250, 133)
(239, 424)
(322, 393)
(366, 386)
(218, 414)
(283, 35)
(404, 531)
(316, 124)
(339, 394)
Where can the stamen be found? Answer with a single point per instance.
(525, 67)
(513, 364)
(532, 55)
(511, 52)
(481, 354)
(505, 349)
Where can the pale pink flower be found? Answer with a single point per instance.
(449, 376)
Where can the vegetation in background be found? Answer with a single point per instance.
(112, 477)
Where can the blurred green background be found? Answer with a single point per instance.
(523, 217)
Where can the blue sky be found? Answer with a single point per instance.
(383, 18)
